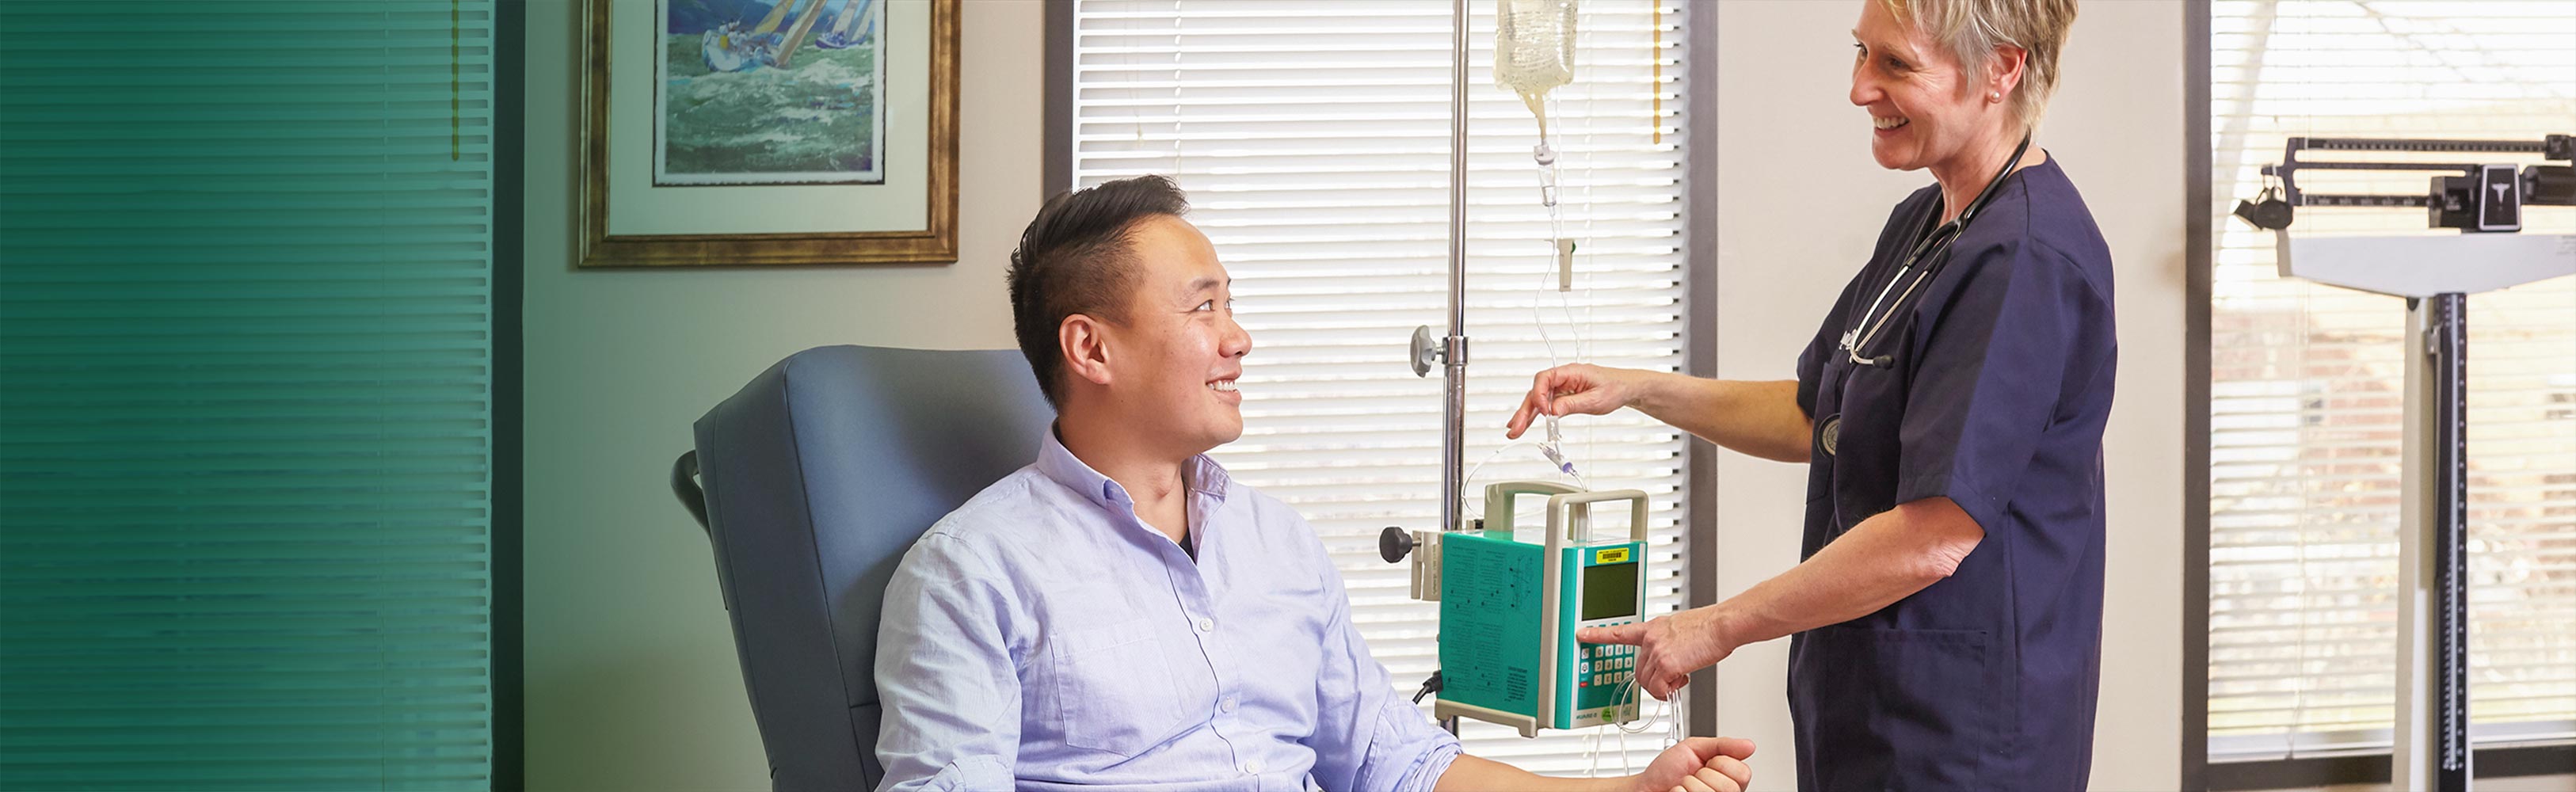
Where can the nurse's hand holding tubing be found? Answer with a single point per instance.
(1885, 558)
(1757, 418)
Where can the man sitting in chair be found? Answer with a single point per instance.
(1121, 612)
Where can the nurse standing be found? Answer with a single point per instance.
(1947, 613)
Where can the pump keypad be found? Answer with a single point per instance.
(1604, 664)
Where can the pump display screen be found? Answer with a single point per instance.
(1610, 591)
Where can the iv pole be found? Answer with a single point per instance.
(1453, 347)
(1450, 351)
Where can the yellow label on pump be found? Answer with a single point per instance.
(1610, 555)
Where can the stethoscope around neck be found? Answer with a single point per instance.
(1872, 322)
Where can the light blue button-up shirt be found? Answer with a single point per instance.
(1044, 637)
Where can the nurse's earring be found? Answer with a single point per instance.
(1994, 96)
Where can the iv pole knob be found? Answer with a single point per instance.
(1394, 543)
(1426, 351)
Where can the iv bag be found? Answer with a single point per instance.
(1534, 50)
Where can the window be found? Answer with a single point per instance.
(247, 395)
(2305, 385)
(1313, 140)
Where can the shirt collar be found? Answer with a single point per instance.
(1206, 477)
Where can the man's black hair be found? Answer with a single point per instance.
(1077, 258)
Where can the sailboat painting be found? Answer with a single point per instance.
(770, 92)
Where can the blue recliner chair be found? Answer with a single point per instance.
(811, 483)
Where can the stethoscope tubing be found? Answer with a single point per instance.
(1937, 244)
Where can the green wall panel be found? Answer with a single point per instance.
(246, 403)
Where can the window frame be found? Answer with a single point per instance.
(2198, 772)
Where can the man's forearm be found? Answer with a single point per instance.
(1885, 558)
(1470, 774)
(1760, 419)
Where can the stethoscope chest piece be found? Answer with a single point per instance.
(1831, 435)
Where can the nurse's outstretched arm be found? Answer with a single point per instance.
(1885, 558)
(1757, 418)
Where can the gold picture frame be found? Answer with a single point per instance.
(934, 240)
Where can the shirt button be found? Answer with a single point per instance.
(1225, 704)
(1253, 766)
(1207, 624)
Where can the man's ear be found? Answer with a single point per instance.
(1084, 342)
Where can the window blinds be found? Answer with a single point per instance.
(2306, 384)
(245, 395)
(1313, 139)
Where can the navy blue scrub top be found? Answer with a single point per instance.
(1996, 398)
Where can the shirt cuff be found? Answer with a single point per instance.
(971, 774)
(1427, 770)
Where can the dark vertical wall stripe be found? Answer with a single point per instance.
(1058, 157)
(2197, 250)
(1699, 340)
(509, 402)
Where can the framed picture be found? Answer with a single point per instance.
(769, 132)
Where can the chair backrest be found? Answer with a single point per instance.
(817, 477)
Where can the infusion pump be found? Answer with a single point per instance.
(1511, 598)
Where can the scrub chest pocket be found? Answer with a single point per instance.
(1856, 437)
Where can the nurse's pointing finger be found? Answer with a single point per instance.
(1629, 634)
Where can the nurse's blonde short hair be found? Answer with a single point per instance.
(1970, 30)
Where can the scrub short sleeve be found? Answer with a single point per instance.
(1991, 365)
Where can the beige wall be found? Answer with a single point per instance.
(631, 679)
(1800, 203)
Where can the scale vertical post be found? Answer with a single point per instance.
(2432, 735)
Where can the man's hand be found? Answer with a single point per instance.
(1699, 764)
(1669, 648)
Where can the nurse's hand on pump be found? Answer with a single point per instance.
(1669, 648)
(1698, 764)
(1575, 388)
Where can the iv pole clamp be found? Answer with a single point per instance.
(2485, 202)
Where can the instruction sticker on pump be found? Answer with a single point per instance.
(1610, 555)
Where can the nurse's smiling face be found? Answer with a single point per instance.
(1927, 109)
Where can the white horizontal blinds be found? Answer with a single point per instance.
(1313, 139)
(2306, 382)
(245, 395)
